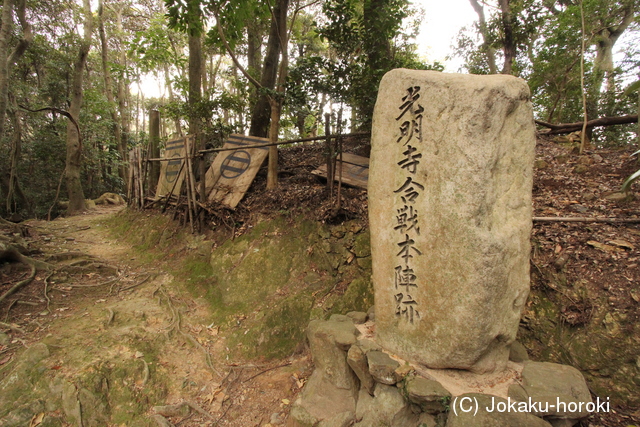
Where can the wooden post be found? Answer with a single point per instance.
(329, 153)
(339, 144)
(272, 172)
(154, 148)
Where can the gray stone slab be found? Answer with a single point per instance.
(450, 216)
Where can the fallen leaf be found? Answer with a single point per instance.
(601, 246)
(622, 244)
(286, 401)
(37, 420)
(5, 360)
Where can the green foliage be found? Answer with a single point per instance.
(370, 38)
(548, 36)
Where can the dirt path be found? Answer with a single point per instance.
(121, 338)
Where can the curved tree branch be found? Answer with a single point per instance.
(253, 81)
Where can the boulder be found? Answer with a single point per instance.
(333, 387)
(560, 390)
(386, 406)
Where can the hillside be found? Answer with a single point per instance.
(138, 314)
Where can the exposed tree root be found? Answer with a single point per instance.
(20, 284)
(175, 325)
(11, 327)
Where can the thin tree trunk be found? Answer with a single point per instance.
(123, 98)
(489, 51)
(74, 143)
(509, 43)
(261, 113)
(5, 35)
(108, 89)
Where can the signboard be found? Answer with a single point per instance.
(172, 171)
(232, 172)
(355, 170)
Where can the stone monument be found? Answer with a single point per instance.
(450, 216)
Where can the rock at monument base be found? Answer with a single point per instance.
(428, 394)
(560, 390)
(484, 418)
(344, 419)
(518, 353)
(333, 387)
(382, 367)
(386, 406)
(450, 216)
(358, 362)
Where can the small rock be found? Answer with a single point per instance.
(343, 419)
(161, 421)
(382, 367)
(560, 422)
(429, 394)
(179, 410)
(487, 414)
(540, 164)
(405, 370)
(301, 417)
(368, 345)
(517, 353)
(382, 409)
(587, 197)
(358, 317)
(585, 160)
(579, 208)
(339, 318)
(597, 158)
(581, 169)
(276, 419)
(371, 313)
(357, 360)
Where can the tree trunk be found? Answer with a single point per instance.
(154, 143)
(261, 112)
(556, 129)
(605, 39)
(108, 89)
(74, 143)
(276, 109)
(489, 51)
(509, 43)
(123, 95)
(5, 35)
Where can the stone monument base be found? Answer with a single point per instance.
(356, 382)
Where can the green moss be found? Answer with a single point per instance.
(278, 332)
(262, 286)
(358, 297)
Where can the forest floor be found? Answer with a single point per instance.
(117, 308)
(105, 305)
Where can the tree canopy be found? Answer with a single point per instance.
(247, 66)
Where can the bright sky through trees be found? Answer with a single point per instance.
(442, 22)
